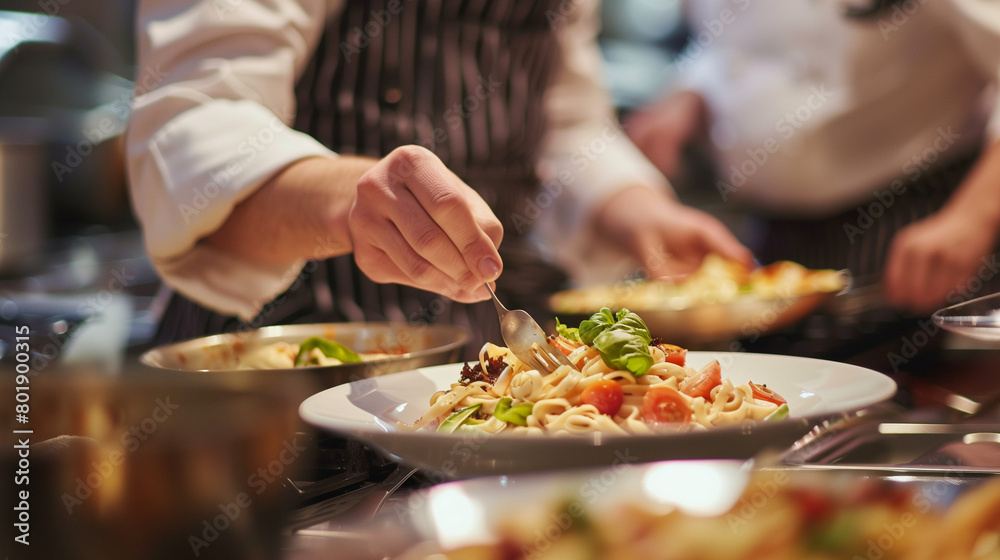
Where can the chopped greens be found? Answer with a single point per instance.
(569, 333)
(457, 419)
(329, 348)
(779, 413)
(513, 414)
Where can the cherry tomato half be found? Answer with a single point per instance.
(762, 393)
(702, 383)
(813, 504)
(664, 405)
(564, 345)
(673, 354)
(605, 395)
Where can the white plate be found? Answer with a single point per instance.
(369, 409)
(978, 319)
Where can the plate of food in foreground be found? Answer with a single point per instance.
(626, 395)
(334, 352)
(720, 301)
(708, 510)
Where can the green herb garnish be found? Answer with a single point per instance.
(457, 419)
(779, 413)
(622, 339)
(329, 348)
(513, 414)
(569, 333)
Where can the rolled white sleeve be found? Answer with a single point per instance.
(976, 24)
(584, 137)
(587, 157)
(214, 99)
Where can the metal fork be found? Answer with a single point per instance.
(527, 340)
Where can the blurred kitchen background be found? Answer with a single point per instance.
(71, 257)
(73, 267)
(72, 263)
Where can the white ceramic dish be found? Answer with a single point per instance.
(370, 408)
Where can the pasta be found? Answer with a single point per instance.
(593, 396)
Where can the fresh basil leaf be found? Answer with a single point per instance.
(632, 323)
(622, 338)
(598, 323)
(623, 350)
(513, 414)
(329, 348)
(569, 333)
(457, 419)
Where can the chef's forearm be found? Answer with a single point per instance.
(300, 213)
(978, 197)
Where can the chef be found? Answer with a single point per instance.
(329, 160)
(864, 133)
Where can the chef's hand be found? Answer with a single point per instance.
(935, 257)
(663, 129)
(414, 222)
(668, 238)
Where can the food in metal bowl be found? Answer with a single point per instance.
(333, 353)
(313, 351)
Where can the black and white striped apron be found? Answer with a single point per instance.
(858, 239)
(463, 78)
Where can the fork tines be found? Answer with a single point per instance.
(548, 359)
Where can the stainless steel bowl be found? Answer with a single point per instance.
(412, 346)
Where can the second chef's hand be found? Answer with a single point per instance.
(668, 238)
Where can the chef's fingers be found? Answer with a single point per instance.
(386, 209)
(401, 265)
(654, 257)
(450, 203)
(665, 253)
(428, 239)
(717, 239)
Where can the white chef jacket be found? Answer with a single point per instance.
(210, 125)
(812, 112)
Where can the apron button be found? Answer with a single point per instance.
(392, 95)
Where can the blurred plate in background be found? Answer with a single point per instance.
(720, 301)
